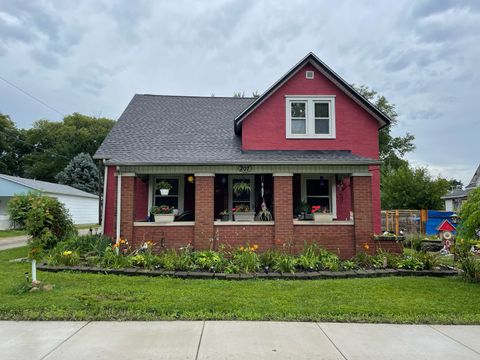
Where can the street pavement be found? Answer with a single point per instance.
(19, 241)
(235, 340)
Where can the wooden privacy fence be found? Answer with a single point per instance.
(412, 221)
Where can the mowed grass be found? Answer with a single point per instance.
(110, 297)
(10, 233)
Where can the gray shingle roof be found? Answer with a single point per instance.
(48, 187)
(157, 129)
(475, 182)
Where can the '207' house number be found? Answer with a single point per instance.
(244, 169)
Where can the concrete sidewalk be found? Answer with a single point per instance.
(19, 241)
(235, 340)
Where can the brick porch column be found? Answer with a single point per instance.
(361, 185)
(204, 200)
(283, 208)
(127, 209)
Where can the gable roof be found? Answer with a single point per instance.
(193, 130)
(456, 193)
(311, 58)
(446, 226)
(47, 187)
(475, 182)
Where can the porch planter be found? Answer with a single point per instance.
(322, 217)
(164, 192)
(244, 216)
(164, 218)
(225, 218)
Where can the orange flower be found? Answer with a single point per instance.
(366, 246)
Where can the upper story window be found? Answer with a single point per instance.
(310, 117)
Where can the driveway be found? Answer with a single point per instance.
(235, 340)
(19, 241)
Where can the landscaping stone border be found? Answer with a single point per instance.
(314, 275)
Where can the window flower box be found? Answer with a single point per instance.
(164, 218)
(244, 216)
(322, 217)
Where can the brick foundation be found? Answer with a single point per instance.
(235, 236)
(164, 237)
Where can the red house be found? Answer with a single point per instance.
(309, 141)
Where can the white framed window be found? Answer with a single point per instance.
(246, 198)
(310, 117)
(320, 190)
(175, 195)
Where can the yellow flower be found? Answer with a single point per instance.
(241, 248)
(67, 252)
(255, 247)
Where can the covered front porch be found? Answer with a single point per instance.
(277, 206)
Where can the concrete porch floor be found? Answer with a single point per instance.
(235, 340)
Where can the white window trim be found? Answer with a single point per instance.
(333, 189)
(252, 191)
(181, 189)
(310, 116)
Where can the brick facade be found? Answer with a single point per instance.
(127, 213)
(362, 212)
(164, 237)
(204, 211)
(283, 209)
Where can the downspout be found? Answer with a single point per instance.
(119, 202)
(104, 200)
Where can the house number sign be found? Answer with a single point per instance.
(244, 169)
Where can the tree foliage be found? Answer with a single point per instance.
(54, 144)
(470, 215)
(81, 173)
(12, 147)
(392, 148)
(412, 188)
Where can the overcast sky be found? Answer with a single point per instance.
(92, 56)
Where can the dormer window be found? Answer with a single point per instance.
(310, 117)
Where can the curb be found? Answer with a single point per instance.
(314, 275)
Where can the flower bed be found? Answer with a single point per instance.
(96, 254)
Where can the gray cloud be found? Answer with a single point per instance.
(92, 56)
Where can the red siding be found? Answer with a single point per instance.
(356, 129)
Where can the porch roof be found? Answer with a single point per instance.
(188, 130)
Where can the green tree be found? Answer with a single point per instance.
(392, 148)
(412, 188)
(12, 147)
(54, 144)
(81, 173)
(470, 216)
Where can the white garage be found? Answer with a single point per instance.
(83, 207)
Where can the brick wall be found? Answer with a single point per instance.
(127, 212)
(204, 208)
(238, 235)
(362, 212)
(164, 237)
(283, 209)
(339, 239)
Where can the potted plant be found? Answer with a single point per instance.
(321, 215)
(241, 187)
(242, 213)
(264, 214)
(225, 215)
(163, 213)
(164, 187)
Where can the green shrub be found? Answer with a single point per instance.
(391, 258)
(19, 206)
(429, 260)
(348, 265)
(111, 260)
(268, 258)
(413, 241)
(210, 260)
(138, 260)
(471, 268)
(363, 260)
(285, 264)
(63, 257)
(328, 261)
(90, 244)
(410, 263)
(246, 260)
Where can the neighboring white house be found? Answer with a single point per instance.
(456, 197)
(83, 207)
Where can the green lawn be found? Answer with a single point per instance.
(109, 297)
(10, 233)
